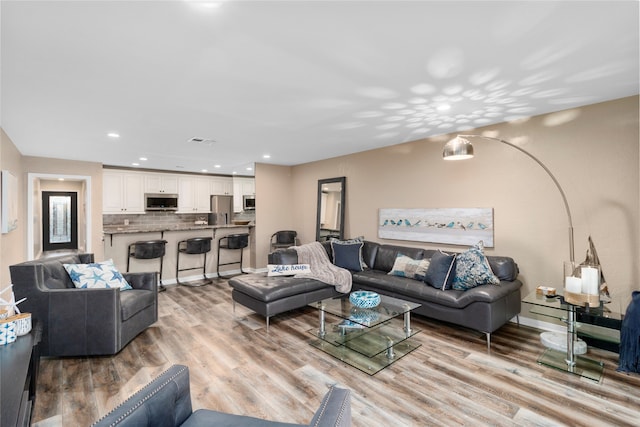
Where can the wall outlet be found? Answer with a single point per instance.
(126, 222)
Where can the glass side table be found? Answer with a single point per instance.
(606, 320)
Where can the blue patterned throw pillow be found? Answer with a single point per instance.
(473, 269)
(96, 275)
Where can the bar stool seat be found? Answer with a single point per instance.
(194, 246)
(148, 249)
(232, 242)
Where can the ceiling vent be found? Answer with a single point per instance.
(201, 141)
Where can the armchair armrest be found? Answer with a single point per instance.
(335, 410)
(164, 401)
(82, 321)
(146, 280)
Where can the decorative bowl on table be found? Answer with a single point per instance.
(364, 299)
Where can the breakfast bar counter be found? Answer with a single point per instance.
(118, 238)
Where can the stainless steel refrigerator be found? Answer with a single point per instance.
(221, 210)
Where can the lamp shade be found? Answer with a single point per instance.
(457, 149)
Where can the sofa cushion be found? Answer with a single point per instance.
(413, 290)
(441, 271)
(386, 256)
(505, 268)
(96, 275)
(287, 256)
(348, 254)
(473, 269)
(409, 267)
(134, 301)
(263, 288)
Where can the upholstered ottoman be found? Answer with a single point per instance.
(269, 296)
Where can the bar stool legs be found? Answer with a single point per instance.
(197, 245)
(232, 242)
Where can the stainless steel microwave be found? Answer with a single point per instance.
(160, 202)
(248, 203)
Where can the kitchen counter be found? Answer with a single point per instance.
(126, 229)
(117, 239)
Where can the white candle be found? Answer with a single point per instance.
(590, 280)
(573, 284)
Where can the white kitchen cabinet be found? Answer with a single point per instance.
(242, 187)
(194, 195)
(221, 186)
(160, 183)
(122, 193)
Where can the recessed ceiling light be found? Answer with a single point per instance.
(60, 179)
(204, 170)
(444, 107)
(234, 172)
(135, 164)
(113, 135)
(217, 166)
(143, 159)
(249, 168)
(266, 156)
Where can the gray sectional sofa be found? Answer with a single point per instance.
(484, 308)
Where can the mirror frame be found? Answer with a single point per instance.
(343, 181)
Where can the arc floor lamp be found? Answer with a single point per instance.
(460, 148)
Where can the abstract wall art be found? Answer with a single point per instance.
(455, 226)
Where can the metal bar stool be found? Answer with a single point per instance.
(194, 246)
(232, 242)
(148, 249)
(283, 239)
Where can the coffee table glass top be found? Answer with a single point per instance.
(388, 308)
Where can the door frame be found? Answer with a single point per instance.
(47, 245)
(31, 180)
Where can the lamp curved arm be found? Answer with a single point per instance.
(553, 178)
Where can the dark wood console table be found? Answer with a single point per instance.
(18, 372)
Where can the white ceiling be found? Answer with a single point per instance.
(298, 80)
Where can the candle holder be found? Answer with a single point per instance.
(582, 284)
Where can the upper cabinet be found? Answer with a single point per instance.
(122, 193)
(242, 187)
(221, 185)
(160, 183)
(194, 195)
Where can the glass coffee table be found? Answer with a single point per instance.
(368, 339)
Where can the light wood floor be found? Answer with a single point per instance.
(237, 367)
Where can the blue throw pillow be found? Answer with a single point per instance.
(441, 271)
(473, 269)
(347, 255)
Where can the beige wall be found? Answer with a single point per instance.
(592, 151)
(12, 244)
(275, 207)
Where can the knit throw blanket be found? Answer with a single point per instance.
(630, 337)
(321, 268)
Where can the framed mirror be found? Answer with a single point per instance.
(330, 218)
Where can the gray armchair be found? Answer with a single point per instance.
(83, 322)
(166, 401)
